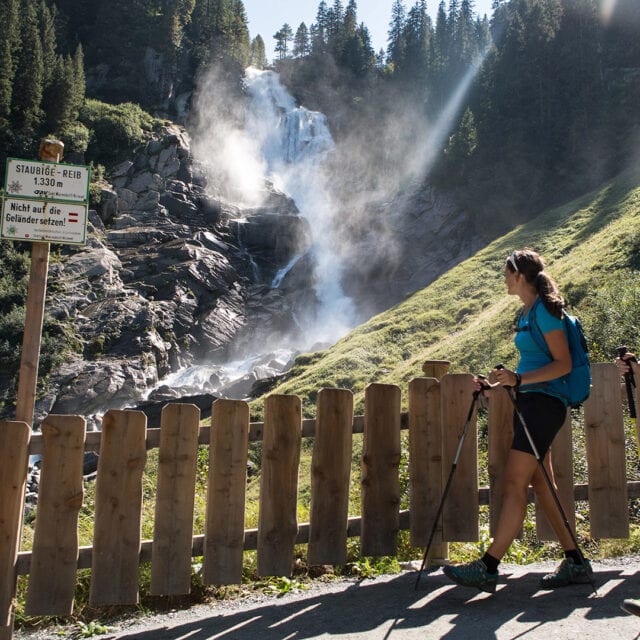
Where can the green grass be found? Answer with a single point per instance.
(465, 316)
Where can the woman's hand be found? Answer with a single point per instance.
(623, 363)
(506, 377)
(481, 384)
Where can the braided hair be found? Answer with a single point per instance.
(531, 265)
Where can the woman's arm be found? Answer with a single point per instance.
(559, 366)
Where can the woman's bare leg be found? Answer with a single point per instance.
(548, 504)
(519, 472)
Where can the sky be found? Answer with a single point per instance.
(267, 16)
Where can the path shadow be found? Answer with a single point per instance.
(393, 608)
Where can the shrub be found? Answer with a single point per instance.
(115, 129)
(75, 137)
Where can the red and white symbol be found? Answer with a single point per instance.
(73, 216)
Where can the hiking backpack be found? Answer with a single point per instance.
(575, 385)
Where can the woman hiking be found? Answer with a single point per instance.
(538, 398)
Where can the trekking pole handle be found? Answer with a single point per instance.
(501, 366)
(484, 383)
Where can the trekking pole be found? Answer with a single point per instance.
(545, 473)
(446, 488)
(630, 382)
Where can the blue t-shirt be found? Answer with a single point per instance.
(531, 355)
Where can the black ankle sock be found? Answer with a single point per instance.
(574, 555)
(490, 562)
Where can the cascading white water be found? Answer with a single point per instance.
(293, 144)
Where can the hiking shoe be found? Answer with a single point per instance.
(631, 606)
(472, 574)
(567, 572)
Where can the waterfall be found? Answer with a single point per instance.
(286, 145)
(293, 144)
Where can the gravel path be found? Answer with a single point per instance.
(390, 607)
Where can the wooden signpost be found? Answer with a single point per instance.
(43, 202)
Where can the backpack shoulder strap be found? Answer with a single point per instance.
(536, 332)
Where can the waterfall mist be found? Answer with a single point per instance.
(275, 144)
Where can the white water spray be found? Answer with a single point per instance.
(293, 144)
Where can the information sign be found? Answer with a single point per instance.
(47, 181)
(38, 221)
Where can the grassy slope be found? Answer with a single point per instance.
(465, 316)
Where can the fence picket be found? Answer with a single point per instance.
(278, 520)
(175, 496)
(604, 426)
(54, 559)
(14, 450)
(116, 538)
(330, 471)
(224, 534)
(425, 459)
(380, 471)
(500, 436)
(460, 513)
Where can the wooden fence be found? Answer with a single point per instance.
(437, 410)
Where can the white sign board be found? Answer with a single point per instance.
(47, 180)
(38, 221)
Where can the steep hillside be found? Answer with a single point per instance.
(465, 316)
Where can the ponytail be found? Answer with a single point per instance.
(531, 265)
(549, 294)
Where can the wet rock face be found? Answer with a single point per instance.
(164, 280)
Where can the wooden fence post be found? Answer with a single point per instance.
(14, 454)
(224, 531)
(116, 536)
(278, 518)
(425, 459)
(54, 559)
(460, 512)
(330, 471)
(380, 471)
(175, 496)
(604, 426)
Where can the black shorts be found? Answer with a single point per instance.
(544, 416)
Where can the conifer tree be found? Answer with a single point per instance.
(282, 37)
(59, 98)
(335, 21)
(350, 19)
(465, 43)
(395, 50)
(321, 29)
(358, 55)
(238, 42)
(79, 82)
(414, 63)
(9, 44)
(29, 76)
(258, 55)
(301, 45)
(46, 19)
